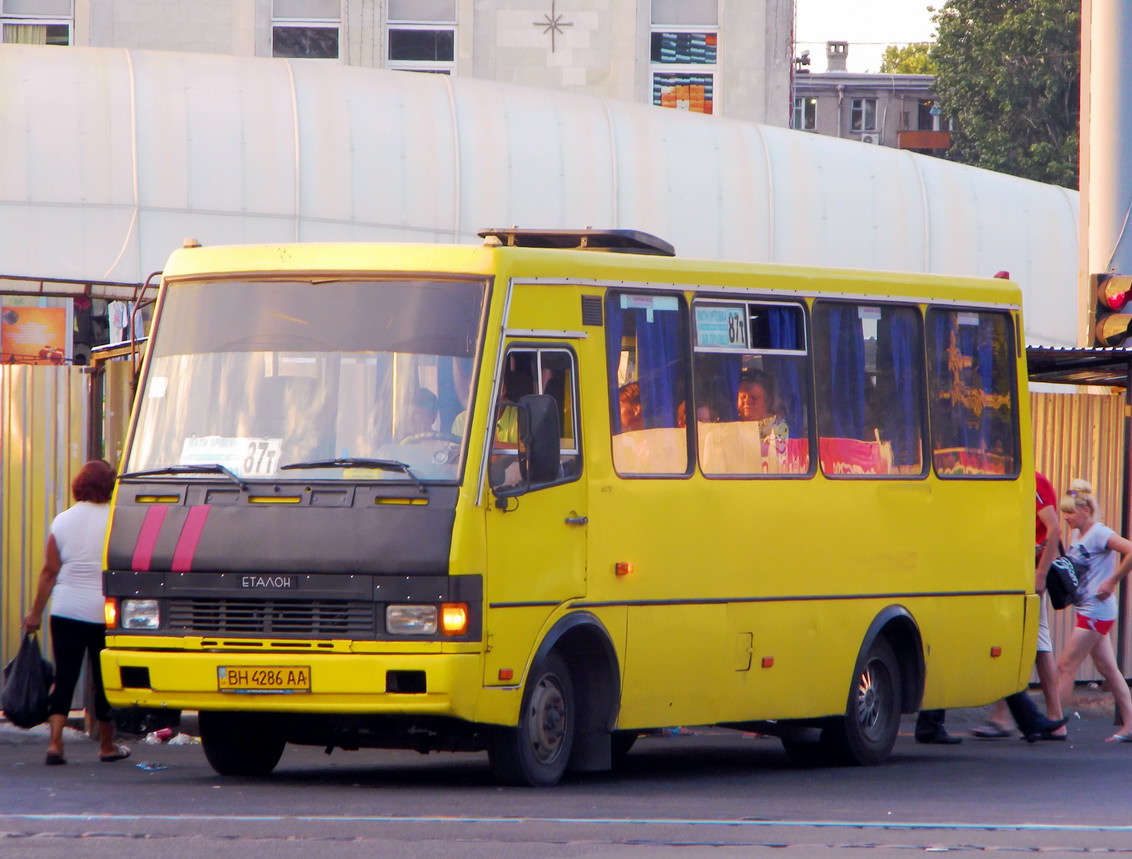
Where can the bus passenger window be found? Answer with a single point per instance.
(972, 396)
(646, 346)
(868, 363)
(752, 391)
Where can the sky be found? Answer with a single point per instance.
(869, 26)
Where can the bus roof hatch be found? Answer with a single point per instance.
(614, 241)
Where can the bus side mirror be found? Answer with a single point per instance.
(542, 439)
(536, 458)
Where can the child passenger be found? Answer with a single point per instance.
(1099, 548)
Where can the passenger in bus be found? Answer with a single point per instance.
(1108, 557)
(629, 400)
(705, 414)
(756, 402)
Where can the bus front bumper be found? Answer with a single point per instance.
(394, 683)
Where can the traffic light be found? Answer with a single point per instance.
(1112, 292)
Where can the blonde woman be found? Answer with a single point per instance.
(1099, 548)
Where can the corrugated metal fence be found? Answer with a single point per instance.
(1083, 436)
(44, 418)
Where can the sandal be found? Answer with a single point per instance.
(1119, 738)
(991, 731)
(120, 753)
(54, 760)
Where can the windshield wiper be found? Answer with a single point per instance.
(195, 468)
(351, 462)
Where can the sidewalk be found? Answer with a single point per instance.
(10, 735)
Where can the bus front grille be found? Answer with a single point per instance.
(306, 618)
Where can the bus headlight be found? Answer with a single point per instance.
(139, 614)
(410, 619)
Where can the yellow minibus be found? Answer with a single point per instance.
(540, 495)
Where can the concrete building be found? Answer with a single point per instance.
(728, 57)
(884, 109)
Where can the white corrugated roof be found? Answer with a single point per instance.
(109, 158)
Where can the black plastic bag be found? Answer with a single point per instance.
(27, 683)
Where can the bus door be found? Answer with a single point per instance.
(536, 541)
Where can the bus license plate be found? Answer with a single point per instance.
(264, 679)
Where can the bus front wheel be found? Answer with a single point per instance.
(239, 743)
(535, 752)
(867, 733)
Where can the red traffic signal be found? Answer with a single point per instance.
(1112, 292)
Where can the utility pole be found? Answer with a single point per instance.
(1105, 238)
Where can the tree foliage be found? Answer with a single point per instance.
(913, 59)
(1008, 72)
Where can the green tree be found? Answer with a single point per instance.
(1008, 71)
(913, 59)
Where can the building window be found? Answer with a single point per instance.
(685, 40)
(306, 29)
(805, 113)
(927, 116)
(36, 22)
(863, 114)
(422, 36)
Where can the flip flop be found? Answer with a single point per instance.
(1119, 738)
(120, 753)
(54, 760)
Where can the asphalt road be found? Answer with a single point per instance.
(707, 793)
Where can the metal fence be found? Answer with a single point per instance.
(44, 421)
(1084, 436)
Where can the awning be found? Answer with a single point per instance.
(1080, 366)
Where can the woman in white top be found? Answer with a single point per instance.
(1098, 548)
(72, 579)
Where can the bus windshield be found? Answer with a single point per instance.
(346, 379)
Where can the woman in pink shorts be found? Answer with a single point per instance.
(1098, 548)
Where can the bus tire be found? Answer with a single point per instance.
(535, 752)
(866, 734)
(238, 743)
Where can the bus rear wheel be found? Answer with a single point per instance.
(867, 733)
(536, 751)
(239, 743)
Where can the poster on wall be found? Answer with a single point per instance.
(33, 335)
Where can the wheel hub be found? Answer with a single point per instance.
(547, 719)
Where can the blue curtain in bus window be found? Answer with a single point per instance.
(847, 371)
(787, 370)
(660, 366)
(898, 359)
(614, 328)
(974, 425)
(660, 345)
(722, 385)
(984, 359)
